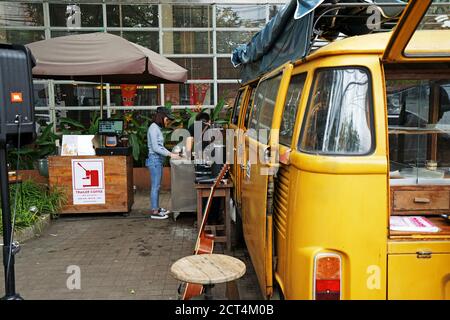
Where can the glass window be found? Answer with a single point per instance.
(55, 34)
(187, 16)
(134, 95)
(187, 42)
(290, 108)
(419, 130)
(84, 117)
(228, 40)
(437, 17)
(40, 94)
(198, 68)
(139, 115)
(261, 117)
(249, 16)
(227, 91)
(132, 16)
(42, 117)
(21, 36)
(237, 107)
(21, 14)
(226, 70)
(338, 119)
(83, 95)
(91, 15)
(189, 94)
(249, 107)
(148, 39)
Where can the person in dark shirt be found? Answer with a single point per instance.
(199, 144)
(193, 142)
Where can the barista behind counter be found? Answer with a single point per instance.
(199, 142)
(194, 143)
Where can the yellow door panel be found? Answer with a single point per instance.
(254, 200)
(413, 276)
(257, 173)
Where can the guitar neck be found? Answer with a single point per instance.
(201, 232)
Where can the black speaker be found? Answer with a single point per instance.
(16, 94)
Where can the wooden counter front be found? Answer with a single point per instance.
(118, 172)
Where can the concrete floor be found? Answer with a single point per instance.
(118, 257)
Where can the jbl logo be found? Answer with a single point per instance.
(16, 97)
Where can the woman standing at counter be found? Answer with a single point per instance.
(156, 154)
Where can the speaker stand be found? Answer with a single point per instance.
(10, 284)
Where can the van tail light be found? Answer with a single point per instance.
(327, 277)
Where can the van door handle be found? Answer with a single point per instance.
(424, 254)
(421, 200)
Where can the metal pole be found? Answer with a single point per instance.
(101, 97)
(8, 247)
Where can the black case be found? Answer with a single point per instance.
(16, 63)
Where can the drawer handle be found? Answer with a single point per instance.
(421, 200)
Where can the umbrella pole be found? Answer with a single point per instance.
(101, 107)
(101, 97)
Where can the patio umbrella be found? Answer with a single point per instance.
(102, 57)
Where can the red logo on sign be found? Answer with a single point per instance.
(16, 97)
(91, 177)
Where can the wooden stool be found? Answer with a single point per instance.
(222, 191)
(208, 270)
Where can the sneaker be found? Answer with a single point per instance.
(158, 215)
(162, 210)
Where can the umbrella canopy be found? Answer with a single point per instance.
(102, 57)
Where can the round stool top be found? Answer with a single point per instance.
(208, 269)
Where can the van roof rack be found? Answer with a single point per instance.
(302, 27)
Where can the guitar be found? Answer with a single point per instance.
(205, 241)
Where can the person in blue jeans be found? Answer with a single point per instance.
(156, 154)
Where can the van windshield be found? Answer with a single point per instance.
(419, 130)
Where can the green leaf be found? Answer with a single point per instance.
(191, 120)
(134, 141)
(46, 133)
(168, 105)
(72, 123)
(217, 109)
(93, 129)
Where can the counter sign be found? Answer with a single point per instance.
(88, 181)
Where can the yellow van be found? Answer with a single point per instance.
(358, 205)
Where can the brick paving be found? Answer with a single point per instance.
(119, 257)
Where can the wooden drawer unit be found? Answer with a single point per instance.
(420, 200)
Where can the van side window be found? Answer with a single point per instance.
(290, 108)
(249, 107)
(338, 118)
(261, 117)
(237, 107)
